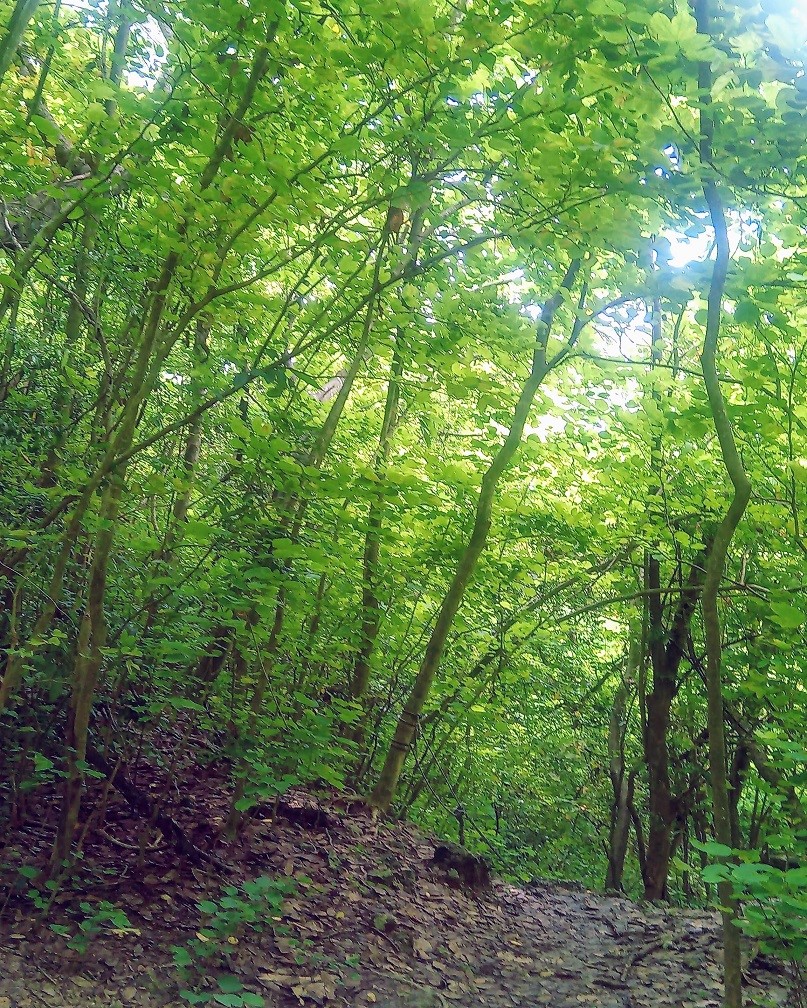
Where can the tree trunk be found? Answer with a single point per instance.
(290, 506)
(385, 788)
(265, 664)
(190, 458)
(716, 561)
(370, 606)
(89, 655)
(360, 676)
(21, 16)
(665, 658)
(739, 764)
(622, 779)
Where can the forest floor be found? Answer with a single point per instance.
(373, 921)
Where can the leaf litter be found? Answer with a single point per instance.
(374, 921)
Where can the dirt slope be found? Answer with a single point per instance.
(373, 922)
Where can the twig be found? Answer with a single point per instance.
(149, 849)
(645, 950)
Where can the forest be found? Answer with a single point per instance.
(403, 410)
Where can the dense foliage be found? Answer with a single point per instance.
(416, 403)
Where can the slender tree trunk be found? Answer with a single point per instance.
(656, 752)
(370, 605)
(641, 846)
(360, 676)
(265, 665)
(384, 791)
(89, 654)
(658, 703)
(21, 16)
(190, 458)
(291, 507)
(92, 633)
(716, 561)
(622, 779)
(739, 764)
(291, 515)
(326, 435)
(117, 64)
(665, 658)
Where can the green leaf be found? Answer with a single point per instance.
(713, 848)
(715, 873)
(42, 763)
(787, 616)
(228, 983)
(193, 997)
(746, 313)
(752, 874)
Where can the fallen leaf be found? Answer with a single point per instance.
(281, 979)
(422, 947)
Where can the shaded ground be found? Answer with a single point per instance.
(373, 922)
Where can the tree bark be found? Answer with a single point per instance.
(622, 779)
(370, 606)
(665, 660)
(384, 791)
(89, 655)
(92, 632)
(21, 16)
(716, 561)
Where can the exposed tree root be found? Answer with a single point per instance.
(141, 803)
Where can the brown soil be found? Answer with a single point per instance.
(374, 922)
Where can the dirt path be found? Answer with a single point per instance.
(527, 948)
(374, 922)
(550, 946)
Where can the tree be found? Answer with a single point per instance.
(372, 387)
